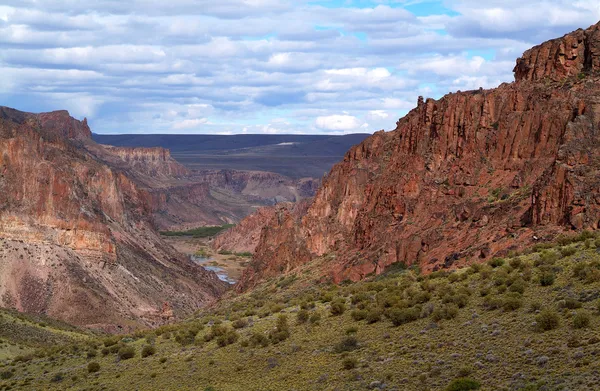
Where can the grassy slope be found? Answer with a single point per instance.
(503, 349)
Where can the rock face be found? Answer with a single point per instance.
(152, 162)
(572, 55)
(245, 236)
(461, 179)
(76, 239)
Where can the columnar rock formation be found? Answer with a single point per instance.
(461, 179)
(76, 239)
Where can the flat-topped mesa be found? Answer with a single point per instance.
(150, 161)
(575, 53)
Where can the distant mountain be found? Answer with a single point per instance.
(295, 156)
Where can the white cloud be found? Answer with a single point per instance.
(246, 64)
(189, 123)
(338, 122)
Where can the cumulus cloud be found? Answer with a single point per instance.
(338, 122)
(266, 66)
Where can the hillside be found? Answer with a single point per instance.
(460, 180)
(77, 240)
(530, 321)
(294, 156)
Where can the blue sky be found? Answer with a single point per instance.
(263, 66)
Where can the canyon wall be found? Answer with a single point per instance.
(462, 179)
(76, 238)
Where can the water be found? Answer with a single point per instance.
(221, 273)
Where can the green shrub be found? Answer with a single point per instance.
(588, 272)
(230, 337)
(148, 350)
(359, 315)
(162, 360)
(569, 303)
(126, 352)
(302, 316)
(240, 324)
(400, 316)
(461, 300)
(463, 384)
(5, 375)
(349, 363)
(567, 251)
(547, 320)
(581, 320)
(373, 316)
(93, 367)
(346, 345)
(258, 340)
(315, 318)
(57, 378)
(547, 278)
(338, 308)
(446, 311)
(496, 262)
(512, 302)
(518, 286)
(281, 331)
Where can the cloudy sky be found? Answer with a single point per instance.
(263, 66)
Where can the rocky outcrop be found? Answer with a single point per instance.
(244, 237)
(572, 55)
(461, 179)
(151, 162)
(76, 239)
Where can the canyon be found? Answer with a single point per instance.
(460, 180)
(77, 237)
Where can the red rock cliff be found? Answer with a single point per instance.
(76, 241)
(460, 179)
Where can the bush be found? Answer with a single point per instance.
(57, 378)
(547, 320)
(6, 375)
(567, 251)
(359, 315)
(93, 367)
(463, 384)
(373, 316)
(496, 262)
(92, 353)
(346, 345)
(282, 330)
(569, 303)
(581, 320)
(230, 337)
(349, 363)
(547, 278)
(126, 352)
(446, 311)
(338, 308)
(259, 340)
(148, 350)
(512, 302)
(315, 318)
(400, 316)
(302, 316)
(240, 324)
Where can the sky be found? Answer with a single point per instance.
(263, 66)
